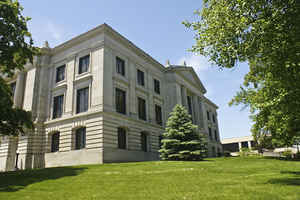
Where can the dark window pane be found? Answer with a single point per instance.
(142, 108)
(55, 142)
(58, 106)
(13, 88)
(144, 142)
(120, 101)
(216, 135)
(210, 133)
(214, 118)
(158, 114)
(60, 73)
(157, 86)
(121, 138)
(82, 100)
(80, 138)
(120, 64)
(207, 113)
(189, 101)
(140, 77)
(84, 63)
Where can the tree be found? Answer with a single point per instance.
(16, 49)
(266, 35)
(181, 141)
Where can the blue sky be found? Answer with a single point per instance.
(154, 26)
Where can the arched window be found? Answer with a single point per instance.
(55, 142)
(80, 138)
(144, 141)
(122, 138)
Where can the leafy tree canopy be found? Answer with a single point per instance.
(181, 141)
(16, 49)
(266, 34)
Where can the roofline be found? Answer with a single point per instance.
(105, 28)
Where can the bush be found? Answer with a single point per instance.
(227, 154)
(244, 152)
(287, 154)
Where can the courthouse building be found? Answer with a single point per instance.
(98, 98)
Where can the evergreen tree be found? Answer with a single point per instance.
(181, 141)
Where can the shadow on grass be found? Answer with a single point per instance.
(281, 158)
(287, 181)
(14, 181)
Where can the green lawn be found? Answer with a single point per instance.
(220, 178)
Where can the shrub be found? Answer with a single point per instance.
(227, 154)
(244, 152)
(287, 154)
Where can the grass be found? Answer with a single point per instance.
(219, 178)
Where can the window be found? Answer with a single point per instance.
(120, 64)
(121, 138)
(140, 77)
(84, 63)
(208, 117)
(158, 115)
(160, 138)
(120, 101)
(142, 108)
(60, 73)
(82, 100)
(55, 142)
(213, 150)
(189, 101)
(156, 86)
(214, 118)
(144, 141)
(58, 106)
(216, 135)
(13, 88)
(210, 133)
(80, 137)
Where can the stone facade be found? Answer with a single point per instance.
(36, 89)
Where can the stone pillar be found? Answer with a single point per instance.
(196, 109)
(183, 96)
(240, 146)
(19, 93)
(201, 113)
(249, 145)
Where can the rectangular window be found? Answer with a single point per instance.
(120, 101)
(60, 73)
(216, 135)
(189, 101)
(158, 114)
(80, 138)
(121, 138)
(84, 63)
(210, 133)
(156, 86)
(55, 142)
(13, 88)
(140, 77)
(208, 116)
(142, 108)
(82, 100)
(144, 142)
(120, 64)
(214, 118)
(58, 102)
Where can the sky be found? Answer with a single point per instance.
(154, 26)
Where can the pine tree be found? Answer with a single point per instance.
(181, 141)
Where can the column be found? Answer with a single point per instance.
(19, 93)
(196, 109)
(249, 145)
(183, 96)
(240, 146)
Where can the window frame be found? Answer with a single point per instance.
(86, 108)
(62, 106)
(208, 115)
(81, 137)
(142, 115)
(55, 146)
(210, 133)
(141, 77)
(121, 70)
(156, 83)
(87, 57)
(122, 138)
(122, 105)
(144, 142)
(158, 121)
(57, 72)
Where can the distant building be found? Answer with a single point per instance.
(237, 143)
(98, 98)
